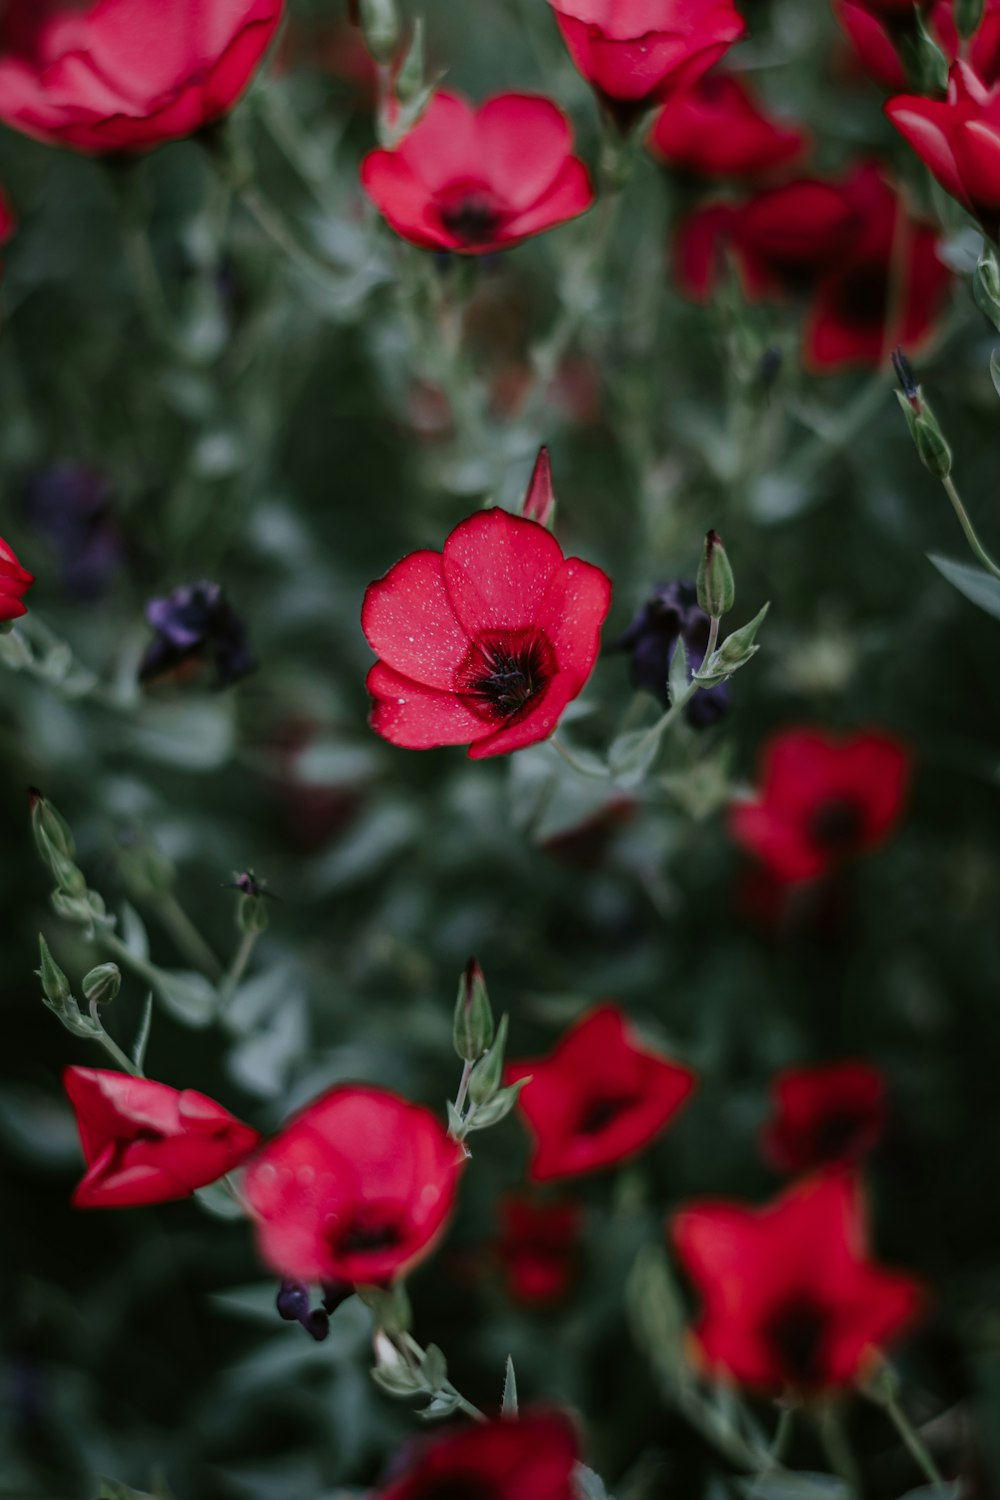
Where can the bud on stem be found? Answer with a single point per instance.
(380, 28)
(473, 1027)
(488, 1072)
(716, 586)
(101, 985)
(986, 285)
(968, 14)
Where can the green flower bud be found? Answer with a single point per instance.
(473, 1028)
(968, 14)
(380, 28)
(928, 439)
(486, 1075)
(410, 78)
(51, 831)
(716, 586)
(738, 648)
(55, 985)
(101, 985)
(986, 285)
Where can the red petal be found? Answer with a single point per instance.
(408, 620)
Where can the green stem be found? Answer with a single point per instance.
(561, 748)
(237, 968)
(463, 1088)
(273, 223)
(187, 937)
(411, 1347)
(970, 531)
(912, 1441)
(111, 1047)
(114, 946)
(837, 1448)
(657, 730)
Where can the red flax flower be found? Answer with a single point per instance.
(15, 582)
(633, 52)
(477, 181)
(717, 129)
(822, 801)
(871, 272)
(127, 75)
(532, 1458)
(831, 1113)
(538, 1247)
(147, 1143)
(356, 1188)
(878, 29)
(959, 139)
(484, 643)
(598, 1098)
(790, 1299)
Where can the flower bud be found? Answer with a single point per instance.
(473, 1028)
(737, 649)
(410, 78)
(55, 985)
(968, 14)
(488, 1072)
(101, 985)
(928, 439)
(49, 828)
(540, 501)
(380, 28)
(986, 285)
(716, 586)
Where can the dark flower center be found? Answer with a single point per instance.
(473, 218)
(459, 1485)
(862, 296)
(370, 1231)
(505, 672)
(122, 1147)
(795, 1333)
(837, 824)
(601, 1112)
(837, 1133)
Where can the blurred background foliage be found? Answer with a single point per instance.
(277, 423)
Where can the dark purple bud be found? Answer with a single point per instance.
(907, 380)
(670, 614)
(292, 1301)
(196, 623)
(335, 1293)
(317, 1325)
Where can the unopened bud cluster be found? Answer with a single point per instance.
(482, 1048)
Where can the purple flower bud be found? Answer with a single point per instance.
(670, 614)
(196, 623)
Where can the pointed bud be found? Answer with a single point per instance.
(101, 985)
(488, 1072)
(716, 586)
(933, 62)
(410, 78)
(968, 14)
(473, 1028)
(540, 501)
(738, 648)
(55, 985)
(986, 285)
(380, 28)
(252, 914)
(907, 380)
(928, 439)
(49, 828)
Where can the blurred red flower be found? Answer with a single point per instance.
(485, 643)
(597, 1098)
(357, 1188)
(127, 75)
(789, 1296)
(959, 139)
(145, 1142)
(538, 1247)
(870, 270)
(717, 129)
(821, 801)
(530, 1458)
(632, 52)
(477, 181)
(15, 582)
(878, 31)
(834, 1112)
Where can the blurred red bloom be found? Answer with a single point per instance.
(959, 139)
(879, 29)
(597, 1098)
(538, 1247)
(532, 1458)
(485, 643)
(632, 52)
(357, 1188)
(717, 129)
(789, 1296)
(821, 801)
(477, 181)
(871, 272)
(147, 1143)
(126, 75)
(834, 1112)
(15, 582)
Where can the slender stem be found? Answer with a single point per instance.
(814, 454)
(723, 1436)
(967, 526)
(912, 1441)
(782, 1433)
(237, 968)
(657, 730)
(713, 638)
(411, 1347)
(187, 937)
(836, 1446)
(463, 1088)
(561, 748)
(276, 227)
(113, 945)
(111, 1047)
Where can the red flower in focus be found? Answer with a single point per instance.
(538, 1247)
(532, 1458)
(15, 582)
(597, 1098)
(477, 181)
(356, 1188)
(127, 75)
(717, 129)
(485, 643)
(147, 1143)
(959, 139)
(821, 801)
(871, 272)
(831, 1113)
(632, 52)
(878, 30)
(789, 1296)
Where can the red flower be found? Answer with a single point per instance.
(982, 50)
(822, 801)
(831, 1113)
(872, 272)
(126, 75)
(485, 643)
(15, 582)
(598, 1098)
(632, 52)
(478, 181)
(357, 1188)
(147, 1143)
(538, 1247)
(717, 129)
(790, 1298)
(532, 1458)
(959, 139)
(877, 30)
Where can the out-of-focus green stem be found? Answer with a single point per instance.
(111, 1047)
(187, 937)
(964, 521)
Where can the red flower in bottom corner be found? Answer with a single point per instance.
(15, 582)
(822, 801)
(485, 643)
(538, 1247)
(145, 1142)
(598, 1098)
(790, 1298)
(356, 1188)
(831, 1113)
(530, 1458)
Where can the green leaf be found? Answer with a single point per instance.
(188, 996)
(978, 586)
(434, 1368)
(497, 1109)
(677, 682)
(508, 1403)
